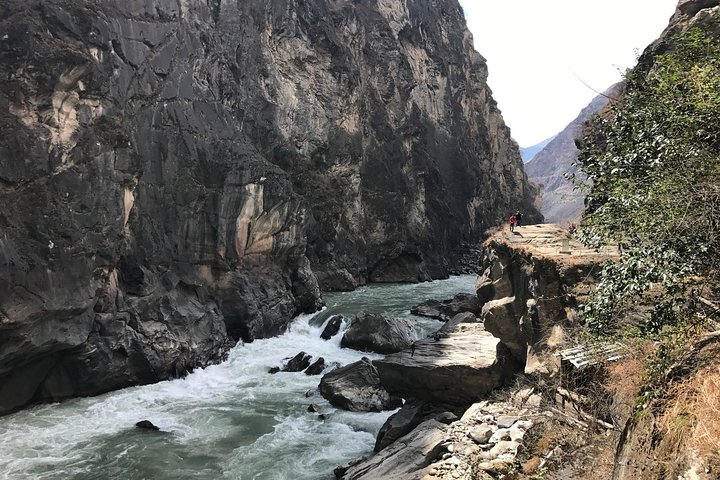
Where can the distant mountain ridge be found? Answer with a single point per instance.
(561, 202)
(527, 153)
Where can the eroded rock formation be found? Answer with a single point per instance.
(175, 174)
(369, 332)
(529, 290)
(458, 368)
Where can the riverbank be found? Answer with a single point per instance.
(231, 420)
(528, 291)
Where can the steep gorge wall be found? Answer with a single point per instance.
(174, 172)
(381, 112)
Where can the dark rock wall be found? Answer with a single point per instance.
(142, 230)
(381, 111)
(173, 174)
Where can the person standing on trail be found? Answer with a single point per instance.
(412, 349)
(513, 219)
(518, 218)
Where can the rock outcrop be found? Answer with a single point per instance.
(298, 363)
(369, 332)
(406, 460)
(317, 367)
(402, 422)
(225, 153)
(332, 327)
(446, 309)
(530, 290)
(356, 387)
(459, 368)
(147, 425)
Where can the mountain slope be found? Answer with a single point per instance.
(560, 201)
(528, 153)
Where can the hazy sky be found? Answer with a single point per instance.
(536, 49)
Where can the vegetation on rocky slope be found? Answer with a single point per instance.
(653, 163)
(653, 167)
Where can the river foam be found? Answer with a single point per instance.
(231, 420)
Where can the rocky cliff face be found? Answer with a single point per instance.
(174, 172)
(560, 201)
(381, 112)
(530, 291)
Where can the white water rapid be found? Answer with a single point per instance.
(228, 421)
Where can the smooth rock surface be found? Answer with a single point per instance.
(459, 368)
(376, 333)
(406, 459)
(356, 387)
(412, 413)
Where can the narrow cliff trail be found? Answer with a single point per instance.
(550, 240)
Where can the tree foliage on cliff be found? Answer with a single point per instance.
(653, 168)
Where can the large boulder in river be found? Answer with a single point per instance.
(147, 425)
(446, 309)
(356, 387)
(460, 367)
(407, 459)
(298, 363)
(316, 368)
(332, 327)
(375, 333)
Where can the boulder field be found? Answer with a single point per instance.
(527, 296)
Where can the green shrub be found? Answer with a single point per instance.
(653, 179)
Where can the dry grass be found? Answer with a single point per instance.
(691, 421)
(624, 379)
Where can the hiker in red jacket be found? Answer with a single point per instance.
(512, 223)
